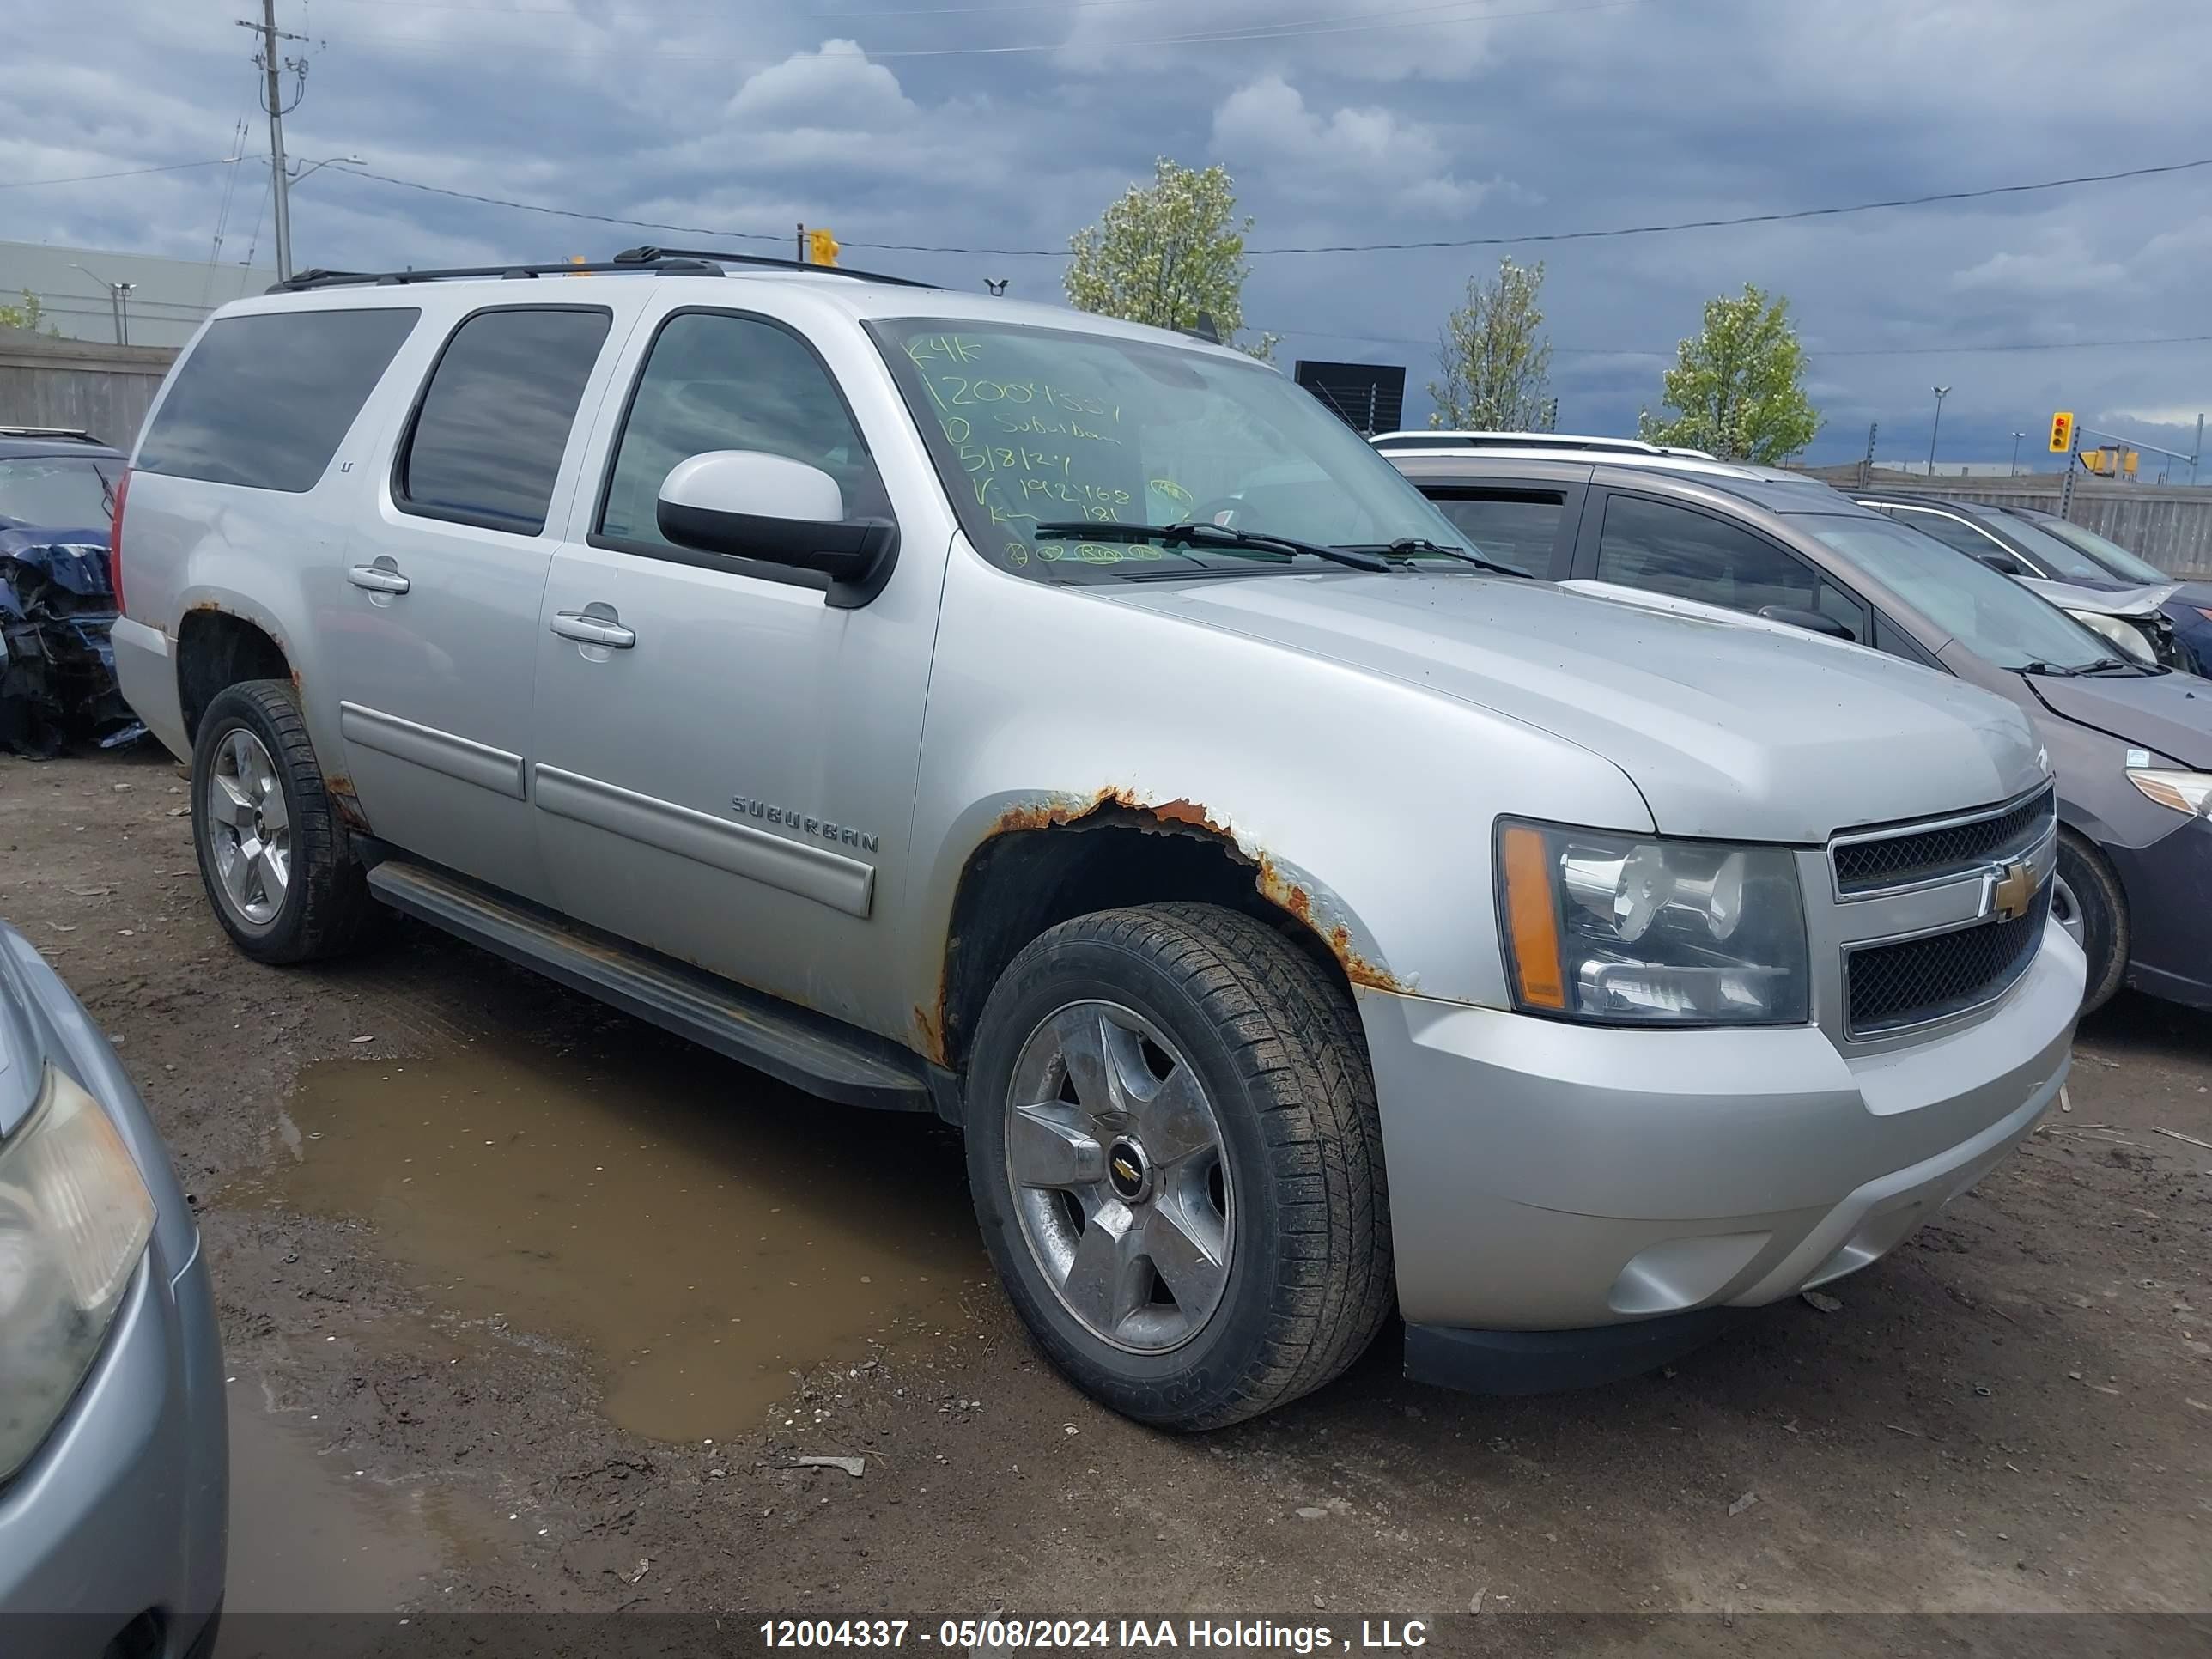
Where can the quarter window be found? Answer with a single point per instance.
(495, 419)
(1695, 556)
(265, 399)
(716, 381)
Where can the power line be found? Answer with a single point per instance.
(1747, 218)
(126, 173)
(1343, 247)
(1810, 350)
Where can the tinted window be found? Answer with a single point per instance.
(1519, 530)
(264, 401)
(721, 382)
(1693, 556)
(495, 417)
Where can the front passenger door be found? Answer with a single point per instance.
(1666, 548)
(731, 782)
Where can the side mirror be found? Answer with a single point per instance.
(748, 504)
(1813, 622)
(2004, 564)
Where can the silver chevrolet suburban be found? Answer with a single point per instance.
(949, 704)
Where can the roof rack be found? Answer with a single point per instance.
(655, 261)
(635, 256)
(672, 266)
(59, 434)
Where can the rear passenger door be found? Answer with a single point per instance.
(434, 642)
(1666, 547)
(1529, 526)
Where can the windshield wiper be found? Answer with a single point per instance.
(1406, 546)
(2102, 666)
(1216, 537)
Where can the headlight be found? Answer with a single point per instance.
(1639, 930)
(2185, 791)
(75, 1216)
(2120, 631)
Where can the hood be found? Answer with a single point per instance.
(1750, 733)
(2101, 601)
(72, 560)
(2168, 714)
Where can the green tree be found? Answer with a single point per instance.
(31, 314)
(1495, 363)
(1166, 254)
(1738, 388)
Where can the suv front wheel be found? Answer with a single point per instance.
(1176, 1159)
(273, 853)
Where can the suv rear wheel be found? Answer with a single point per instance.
(1176, 1159)
(273, 853)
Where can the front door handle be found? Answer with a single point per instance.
(382, 577)
(594, 631)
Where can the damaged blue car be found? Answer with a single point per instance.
(57, 597)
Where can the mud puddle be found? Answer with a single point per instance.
(304, 1538)
(703, 1230)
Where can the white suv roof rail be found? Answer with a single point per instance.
(1451, 440)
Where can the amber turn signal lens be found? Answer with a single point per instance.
(1532, 918)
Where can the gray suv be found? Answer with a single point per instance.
(954, 705)
(2131, 742)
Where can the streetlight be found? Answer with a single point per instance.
(2016, 437)
(118, 301)
(284, 224)
(1941, 392)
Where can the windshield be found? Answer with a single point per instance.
(1991, 615)
(2115, 559)
(62, 492)
(2065, 562)
(1032, 426)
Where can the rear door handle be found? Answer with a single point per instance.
(593, 630)
(378, 579)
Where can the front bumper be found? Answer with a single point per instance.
(2169, 889)
(124, 1511)
(1552, 1177)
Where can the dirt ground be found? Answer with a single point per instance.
(571, 1367)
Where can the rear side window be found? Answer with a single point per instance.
(1695, 556)
(264, 400)
(485, 442)
(1519, 529)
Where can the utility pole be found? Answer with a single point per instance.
(272, 101)
(1866, 466)
(1941, 392)
(2196, 449)
(2016, 437)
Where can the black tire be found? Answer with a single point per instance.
(1277, 1047)
(2103, 912)
(326, 909)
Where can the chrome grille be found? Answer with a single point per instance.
(1876, 860)
(1911, 982)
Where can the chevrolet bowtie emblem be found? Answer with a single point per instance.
(2012, 890)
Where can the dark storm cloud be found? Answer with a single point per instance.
(1463, 121)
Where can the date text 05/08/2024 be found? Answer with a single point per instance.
(999, 1633)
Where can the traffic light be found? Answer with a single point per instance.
(2062, 432)
(821, 247)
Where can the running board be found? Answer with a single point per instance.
(807, 1050)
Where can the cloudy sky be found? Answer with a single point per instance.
(1007, 124)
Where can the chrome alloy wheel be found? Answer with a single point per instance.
(1120, 1181)
(248, 829)
(2066, 910)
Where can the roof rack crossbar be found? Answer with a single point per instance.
(672, 266)
(635, 256)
